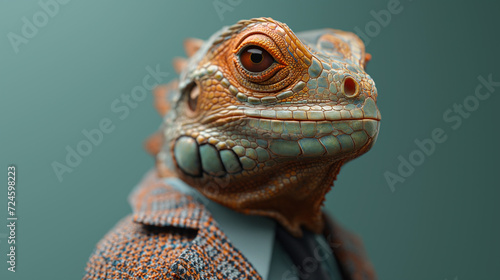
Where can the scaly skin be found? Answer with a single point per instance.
(271, 142)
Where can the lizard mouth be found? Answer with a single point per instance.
(280, 134)
(298, 113)
(318, 113)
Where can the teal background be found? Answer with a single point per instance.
(442, 222)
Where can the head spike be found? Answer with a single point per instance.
(161, 98)
(153, 143)
(368, 57)
(179, 64)
(192, 45)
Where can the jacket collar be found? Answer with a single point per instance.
(158, 204)
(210, 253)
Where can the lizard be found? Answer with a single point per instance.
(260, 121)
(263, 119)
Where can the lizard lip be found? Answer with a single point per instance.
(315, 113)
(316, 120)
(369, 110)
(331, 115)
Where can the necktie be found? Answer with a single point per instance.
(312, 260)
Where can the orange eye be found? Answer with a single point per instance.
(255, 59)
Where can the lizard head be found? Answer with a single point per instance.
(263, 119)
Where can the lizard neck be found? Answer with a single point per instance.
(298, 204)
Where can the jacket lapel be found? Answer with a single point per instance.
(211, 254)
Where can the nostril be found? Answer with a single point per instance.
(350, 87)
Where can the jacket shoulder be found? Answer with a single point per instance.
(135, 251)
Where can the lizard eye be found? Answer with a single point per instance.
(255, 59)
(259, 63)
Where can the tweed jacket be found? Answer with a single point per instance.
(171, 235)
